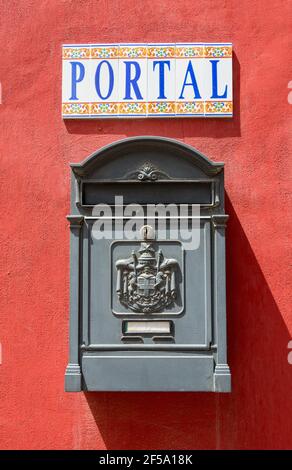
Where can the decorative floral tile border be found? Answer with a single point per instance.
(189, 51)
(133, 108)
(161, 107)
(158, 51)
(151, 51)
(69, 109)
(101, 52)
(190, 108)
(157, 108)
(133, 52)
(220, 52)
(71, 52)
(104, 108)
(218, 107)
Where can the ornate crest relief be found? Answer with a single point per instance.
(146, 282)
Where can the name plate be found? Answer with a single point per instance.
(147, 327)
(147, 80)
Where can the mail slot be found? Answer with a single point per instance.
(147, 269)
(166, 192)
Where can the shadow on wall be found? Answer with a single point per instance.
(176, 128)
(255, 415)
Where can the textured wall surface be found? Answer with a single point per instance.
(36, 147)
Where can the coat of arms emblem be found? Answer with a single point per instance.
(146, 282)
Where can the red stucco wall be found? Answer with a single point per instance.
(36, 147)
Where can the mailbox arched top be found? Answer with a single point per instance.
(149, 145)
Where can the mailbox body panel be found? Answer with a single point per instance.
(147, 314)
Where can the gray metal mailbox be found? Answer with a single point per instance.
(147, 304)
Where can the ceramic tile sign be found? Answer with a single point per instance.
(147, 80)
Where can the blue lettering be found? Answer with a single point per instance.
(193, 82)
(161, 64)
(75, 79)
(110, 81)
(215, 81)
(131, 82)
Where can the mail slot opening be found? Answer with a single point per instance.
(166, 192)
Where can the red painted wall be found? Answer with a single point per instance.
(36, 147)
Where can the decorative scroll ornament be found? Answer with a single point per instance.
(146, 282)
(148, 172)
